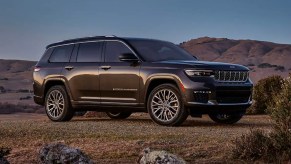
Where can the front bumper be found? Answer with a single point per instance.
(210, 96)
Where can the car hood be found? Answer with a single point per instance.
(206, 65)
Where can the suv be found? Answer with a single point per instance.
(120, 76)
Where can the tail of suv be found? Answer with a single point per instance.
(120, 76)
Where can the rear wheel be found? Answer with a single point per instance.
(118, 115)
(165, 106)
(226, 118)
(57, 104)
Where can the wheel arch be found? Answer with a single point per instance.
(161, 79)
(53, 82)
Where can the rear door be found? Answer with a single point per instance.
(119, 80)
(82, 72)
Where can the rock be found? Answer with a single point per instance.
(3, 161)
(4, 152)
(159, 157)
(60, 153)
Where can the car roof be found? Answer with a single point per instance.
(93, 38)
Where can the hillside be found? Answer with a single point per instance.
(16, 74)
(263, 58)
(16, 81)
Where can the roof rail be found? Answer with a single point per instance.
(110, 36)
(79, 39)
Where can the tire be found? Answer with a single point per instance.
(57, 104)
(118, 115)
(165, 106)
(226, 118)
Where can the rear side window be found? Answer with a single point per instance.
(61, 54)
(90, 52)
(114, 49)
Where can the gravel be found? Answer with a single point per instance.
(121, 141)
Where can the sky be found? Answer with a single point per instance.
(27, 26)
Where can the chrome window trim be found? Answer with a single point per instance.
(100, 40)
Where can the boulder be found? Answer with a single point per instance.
(4, 152)
(60, 153)
(159, 157)
(3, 161)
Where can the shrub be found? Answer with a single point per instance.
(251, 64)
(23, 90)
(266, 65)
(276, 146)
(280, 68)
(2, 89)
(264, 92)
(251, 146)
(280, 110)
(258, 145)
(25, 98)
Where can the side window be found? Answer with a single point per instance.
(89, 52)
(114, 49)
(61, 54)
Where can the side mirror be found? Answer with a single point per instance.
(128, 57)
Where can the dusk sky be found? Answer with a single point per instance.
(27, 26)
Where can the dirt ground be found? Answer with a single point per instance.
(121, 141)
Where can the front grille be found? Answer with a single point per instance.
(231, 76)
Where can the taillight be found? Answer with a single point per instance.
(36, 68)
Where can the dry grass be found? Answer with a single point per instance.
(105, 140)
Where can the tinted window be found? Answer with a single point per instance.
(61, 54)
(90, 52)
(114, 49)
(154, 50)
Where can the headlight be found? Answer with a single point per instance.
(191, 72)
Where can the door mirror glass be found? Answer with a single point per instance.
(129, 57)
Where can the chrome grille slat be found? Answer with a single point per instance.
(231, 76)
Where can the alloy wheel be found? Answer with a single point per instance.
(165, 105)
(55, 104)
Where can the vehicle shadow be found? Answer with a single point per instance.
(241, 124)
(188, 123)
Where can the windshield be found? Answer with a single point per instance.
(154, 50)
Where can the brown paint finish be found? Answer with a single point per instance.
(121, 85)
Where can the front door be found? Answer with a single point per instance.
(119, 80)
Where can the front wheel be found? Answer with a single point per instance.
(57, 104)
(118, 115)
(226, 118)
(165, 106)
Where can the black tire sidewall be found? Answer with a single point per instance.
(67, 113)
(182, 114)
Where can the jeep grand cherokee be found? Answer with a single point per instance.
(120, 76)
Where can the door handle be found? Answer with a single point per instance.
(69, 68)
(105, 67)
